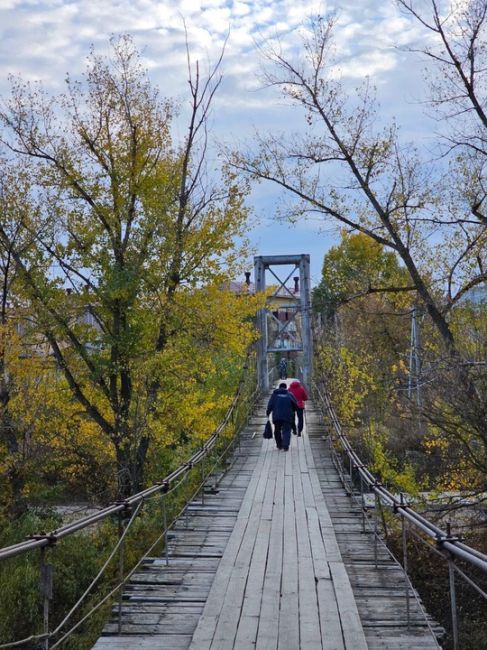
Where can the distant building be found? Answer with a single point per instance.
(284, 305)
(244, 287)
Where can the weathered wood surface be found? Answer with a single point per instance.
(281, 583)
(380, 591)
(275, 560)
(162, 604)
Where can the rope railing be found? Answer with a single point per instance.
(442, 542)
(129, 506)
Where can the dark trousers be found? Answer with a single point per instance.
(300, 416)
(282, 433)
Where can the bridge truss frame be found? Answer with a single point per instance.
(301, 305)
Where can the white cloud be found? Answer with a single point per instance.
(189, 7)
(43, 39)
(217, 20)
(240, 38)
(370, 64)
(240, 8)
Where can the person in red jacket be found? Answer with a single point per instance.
(298, 390)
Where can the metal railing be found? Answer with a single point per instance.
(127, 512)
(439, 541)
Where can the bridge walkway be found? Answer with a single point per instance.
(274, 560)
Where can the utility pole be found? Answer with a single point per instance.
(414, 381)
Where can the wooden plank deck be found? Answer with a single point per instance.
(275, 560)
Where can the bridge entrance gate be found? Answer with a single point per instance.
(285, 323)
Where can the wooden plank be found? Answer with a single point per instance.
(288, 633)
(267, 634)
(321, 526)
(249, 619)
(309, 622)
(318, 552)
(329, 617)
(330, 621)
(177, 642)
(218, 597)
(329, 537)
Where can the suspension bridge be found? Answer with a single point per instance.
(273, 550)
(277, 558)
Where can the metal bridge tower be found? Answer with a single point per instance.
(285, 323)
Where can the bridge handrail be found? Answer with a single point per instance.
(50, 538)
(443, 540)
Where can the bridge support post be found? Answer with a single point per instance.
(453, 604)
(121, 562)
(453, 596)
(46, 592)
(304, 273)
(203, 479)
(405, 562)
(262, 365)
(362, 499)
(164, 523)
(376, 528)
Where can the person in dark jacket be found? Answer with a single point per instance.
(283, 406)
(283, 368)
(300, 395)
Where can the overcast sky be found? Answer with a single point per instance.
(44, 39)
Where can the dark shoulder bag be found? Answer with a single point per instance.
(268, 430)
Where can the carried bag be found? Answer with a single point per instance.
(267, 430)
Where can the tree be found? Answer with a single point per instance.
(357, 267)
(382, 191)
(346, 169)
(14, 210)
(367, 304)
(456, 33)
(457, 50)
(130, 226)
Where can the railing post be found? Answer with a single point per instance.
(46, 593)
(405, 560)
(362, 496)
(215, 477)
(216, 468)
(384, 521)
(203, 481)
(121, 559)
(376, 531)
(453, 596)
(341, 470)
(164, 523)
